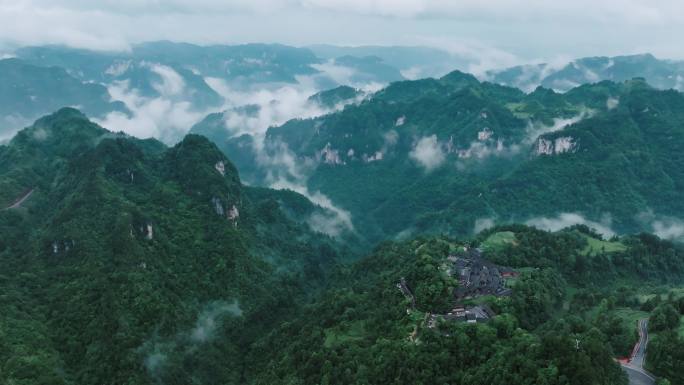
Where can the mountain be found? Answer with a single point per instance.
(337, 96)
(368, 69)
(233, 132)
(663, 74)
(451, 155)
(127, 261)
(394, 318)
(28, 91)
(242, 66)
(412, 62)
(258, 62)
(161, 88)
(173, 83)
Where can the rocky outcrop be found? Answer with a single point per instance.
(149, 232)
(58, 247)
(560, 145)
(484, 134)
(328, 155)
(221, 168)
(374, 157)
(218, 206)
(233, 215)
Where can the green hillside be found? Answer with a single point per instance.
(130, 262)
(439, 155)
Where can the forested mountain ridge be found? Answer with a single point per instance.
(437, 155)
(127, 257)
(562, 323)
(663, 74)
(130, 262)
(28, 91)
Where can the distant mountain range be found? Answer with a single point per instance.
(203, 79)
(456, 155)
(126, 260)
(663, 74)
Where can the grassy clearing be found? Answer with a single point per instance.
(678, 292)
(499, 240)
(518, 110)
(662, 291)
(630, 316)
(596, 246)
(354, 332)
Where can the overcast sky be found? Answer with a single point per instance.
(503, 30)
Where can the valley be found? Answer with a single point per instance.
(262, 285)
(224, 211)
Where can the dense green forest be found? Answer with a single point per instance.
(561, 325)
(125, 261)
(442, 155)
(133, 263)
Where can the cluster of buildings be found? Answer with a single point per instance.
(476, 277)
(460, 313)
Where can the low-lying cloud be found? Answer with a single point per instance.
(172, 83)
(535, 130)
(273, 105)
(171, 114)
(428, 153)
(209, 319)
(160, 117)
(276, 105)
(482, 224)
(334, 222)
(159, 351)
(665, 227)
(565, 220)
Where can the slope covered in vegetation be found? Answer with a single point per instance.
(134, 263)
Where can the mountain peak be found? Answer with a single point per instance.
(459, 78)
(201, 167)
(61, 132)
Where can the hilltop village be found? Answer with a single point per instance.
(477, 278)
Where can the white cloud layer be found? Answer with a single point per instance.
(496, 31)
(161, 118)
(278, 104)
(665, 227)
(564, 220)
(482, 224)
(428, 152)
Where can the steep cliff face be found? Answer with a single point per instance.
(555, 146)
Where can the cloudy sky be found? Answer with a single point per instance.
(505, 30)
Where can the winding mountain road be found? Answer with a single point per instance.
(635, 366)
(20, 201)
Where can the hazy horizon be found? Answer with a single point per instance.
(499, 33)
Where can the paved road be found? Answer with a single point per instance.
(637, 377)
(635, 367)
(20, 201)
(639, 354)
